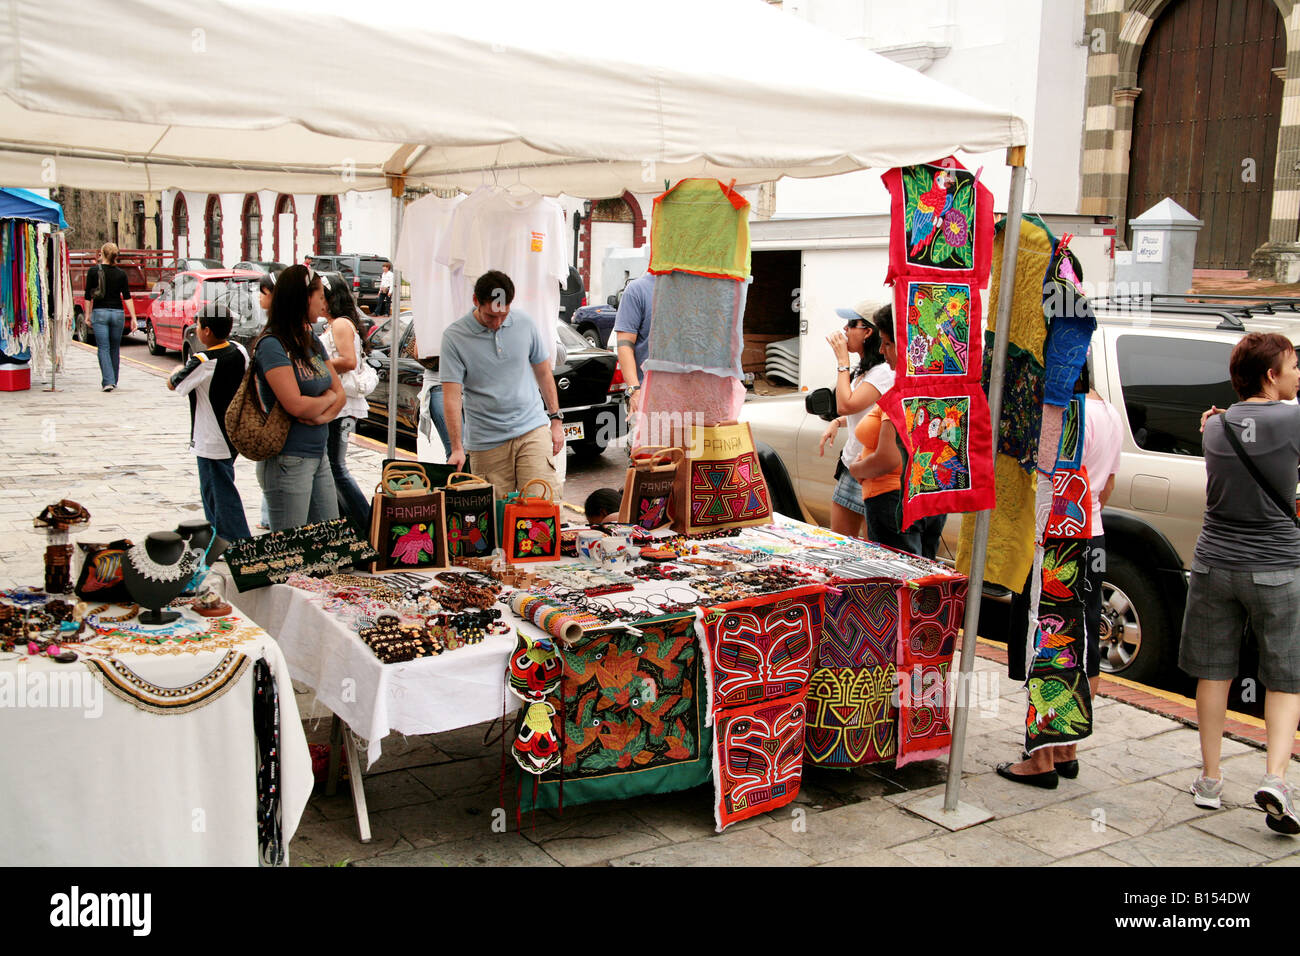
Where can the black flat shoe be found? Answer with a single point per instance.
(1048, 779)
(1069, 769)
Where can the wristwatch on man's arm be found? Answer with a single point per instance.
(556, 416)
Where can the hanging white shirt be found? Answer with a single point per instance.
(435, 299)
(522, 236)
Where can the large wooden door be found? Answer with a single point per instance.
(1210, 103)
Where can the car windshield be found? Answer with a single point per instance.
(571, 340)
(382, 336)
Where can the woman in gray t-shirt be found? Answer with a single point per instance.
(1246, 568)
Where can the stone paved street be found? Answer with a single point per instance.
(432, 799)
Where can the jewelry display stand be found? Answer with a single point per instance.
(201, 537)
(158, 571)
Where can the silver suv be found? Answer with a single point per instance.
(1160, 362)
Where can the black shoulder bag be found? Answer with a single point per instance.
(1272, 493)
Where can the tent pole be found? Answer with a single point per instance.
(979, 551)
(398, 186)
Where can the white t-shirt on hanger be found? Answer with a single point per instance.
(434, 300)
(522, 236)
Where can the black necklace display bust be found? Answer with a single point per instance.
(156, 572)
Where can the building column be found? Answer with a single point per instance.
(1117, 170)
(1278, 259)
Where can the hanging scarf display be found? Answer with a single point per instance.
(1060, 700)
(941, 234)
(1011, 526)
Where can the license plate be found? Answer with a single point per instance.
(573, 431)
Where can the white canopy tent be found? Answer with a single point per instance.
(584, 97)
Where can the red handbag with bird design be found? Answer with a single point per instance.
(530, 529)
(408, 523)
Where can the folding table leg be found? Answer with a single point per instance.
(358, 786)
(336, 738)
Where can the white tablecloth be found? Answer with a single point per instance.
(455, 689)
(90, 779)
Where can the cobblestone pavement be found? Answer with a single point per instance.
(432, 799)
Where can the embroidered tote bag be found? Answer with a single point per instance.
(720, 484)
(530, 527)
(648, 488)
(471, 516)
(408, 523)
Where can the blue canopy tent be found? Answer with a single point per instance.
(24, 204)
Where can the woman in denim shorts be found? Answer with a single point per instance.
(1246, 569)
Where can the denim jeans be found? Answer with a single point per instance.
(882, 524)
(439, 417)
(352, 503)
(298, 491)
(222, 505)
(108, 325)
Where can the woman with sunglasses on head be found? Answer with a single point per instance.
(856, 393)
(343, 344)
(292, 369)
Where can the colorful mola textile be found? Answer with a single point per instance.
(761, 648)
(1033, 257)
(758, 758)
(946, 433)
(1022, 403)
(721, 484)
(937, 328)
(700, 226)
(860, 627)
(852, 716)
(1010, 552)
(1072, 324)
(932, 614)
(633, 716)
(942, 222)
(695, 325)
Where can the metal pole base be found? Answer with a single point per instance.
(963, 816)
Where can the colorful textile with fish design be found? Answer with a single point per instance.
(632, 712)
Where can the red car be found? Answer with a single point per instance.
(175, 309)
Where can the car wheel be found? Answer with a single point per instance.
(81, 329)
(589, 333)
(1135, 630)
(151, 339)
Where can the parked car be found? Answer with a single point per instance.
(247, 317)
(175, 310)
(573, 295)
(191, 265)
(146, 271)
(268, 268)
(595, 323)
(1160, 365)
(587, 381)
(362, 271)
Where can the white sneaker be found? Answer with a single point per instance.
(1207, 792)
(1277, 798)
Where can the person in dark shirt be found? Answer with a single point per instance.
(108, 296)
(292, 369)
(210, 378)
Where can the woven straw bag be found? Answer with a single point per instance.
(255, 433)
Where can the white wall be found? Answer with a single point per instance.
(1021, 55)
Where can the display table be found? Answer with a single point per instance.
(146, 755)
(648, 722)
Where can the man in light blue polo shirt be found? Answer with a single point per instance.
(486, 356)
